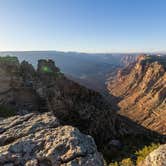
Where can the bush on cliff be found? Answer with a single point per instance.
(6, 112)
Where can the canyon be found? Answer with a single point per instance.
(44, 106)
(141, 89)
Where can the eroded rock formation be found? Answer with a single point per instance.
(47, 89)
(141, 89)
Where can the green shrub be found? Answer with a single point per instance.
(127, 162)
(8, 59)
(141, 154)
(114, 164)
(124, 162)
(6, 112)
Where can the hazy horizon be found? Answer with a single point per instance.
(81, 52)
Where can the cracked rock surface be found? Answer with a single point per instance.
(40, 140)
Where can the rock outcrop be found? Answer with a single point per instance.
(156, 158)
(39, 139)
(141, 89)
(16, 90)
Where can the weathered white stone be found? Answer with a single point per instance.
(39, 139)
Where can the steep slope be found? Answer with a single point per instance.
(81, 107)
(141, 89)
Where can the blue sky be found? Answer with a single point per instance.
(83, 25)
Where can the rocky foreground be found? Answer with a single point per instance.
(39, 139)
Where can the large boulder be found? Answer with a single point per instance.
(156, 158)
(39, 139)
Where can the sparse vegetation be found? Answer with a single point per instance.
(140, 155)
(8, 59)
(6, 112)
(127, 162)
(114, 164)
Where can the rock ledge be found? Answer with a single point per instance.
(39, 139)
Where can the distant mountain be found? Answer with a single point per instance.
(141, 89)
(90, 70)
